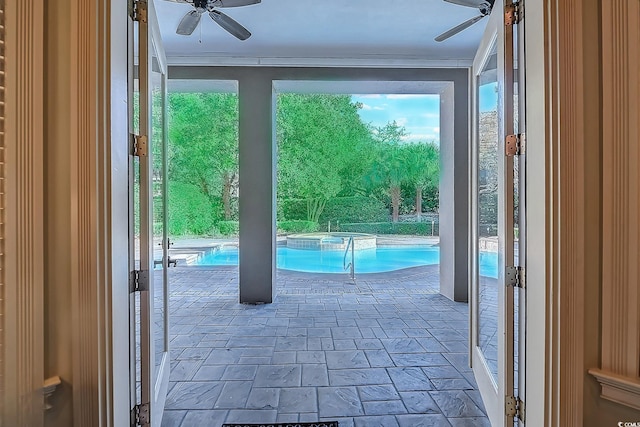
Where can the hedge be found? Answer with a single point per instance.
(354, 209)
(190, 211)
(297, 226)
(339, 209)
(408, 228)
(292, 209)
(229, 228)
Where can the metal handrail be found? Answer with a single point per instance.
(352, 272)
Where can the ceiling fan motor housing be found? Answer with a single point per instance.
(202, 5)
(485, 7)
(190, 21)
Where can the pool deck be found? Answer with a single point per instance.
(387, 350)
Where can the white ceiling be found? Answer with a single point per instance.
(317, 32)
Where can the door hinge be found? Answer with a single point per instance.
(140, 146)
(512, 13)
(138, 281)
(514, 407)
(515, 276)
(140, 11)
(140, 415)
(515, 145)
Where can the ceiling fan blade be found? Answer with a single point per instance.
(234, 3)
(455, 30)
(189, 23)
(230, 25)
(469, 3)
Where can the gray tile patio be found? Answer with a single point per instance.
(387, 351)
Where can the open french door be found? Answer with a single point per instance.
(495, 274)
(148, 221)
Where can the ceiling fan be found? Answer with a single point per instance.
(191, 20)
(484, 6)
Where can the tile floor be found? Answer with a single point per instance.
(387, 351)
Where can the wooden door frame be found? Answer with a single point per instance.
(559, 269)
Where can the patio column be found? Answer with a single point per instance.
(257, 156)
(454, 191)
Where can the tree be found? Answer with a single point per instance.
(389, 166)
(320, 139)
(204, 144)
(423, 169)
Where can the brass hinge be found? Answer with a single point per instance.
(140, 146)
(515, 145)
(140, 415)
(514, 407)
(140, 11)
(138, 281)
(512, 13)
(515, 276)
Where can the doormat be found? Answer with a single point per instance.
(316, 424)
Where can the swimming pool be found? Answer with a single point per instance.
(377, 260)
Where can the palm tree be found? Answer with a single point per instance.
(389, 167)
(423, 169)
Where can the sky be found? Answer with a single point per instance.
(419, 114)
(488, 97)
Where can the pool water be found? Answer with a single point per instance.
(377, 260)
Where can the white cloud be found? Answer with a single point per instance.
(436, 130)
(402, 121)
(421, 129)
(431, 115)
(368, 107)
(402, 96)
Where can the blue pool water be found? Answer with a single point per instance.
(375, 260)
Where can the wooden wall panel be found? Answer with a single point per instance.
(90, 239)
(2, 206)
(22, 214)
(619, 373)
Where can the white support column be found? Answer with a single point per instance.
(257, 190)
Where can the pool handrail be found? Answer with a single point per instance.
(351, 265)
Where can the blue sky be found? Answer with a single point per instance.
(488, 97)
(419, 114)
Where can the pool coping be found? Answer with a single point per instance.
(401, 273)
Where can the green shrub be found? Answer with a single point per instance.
(280, 210)
(354, 209)
(407, 228)
(190, 211)
(292, 209)
(217, 209)
(297, 226)
(338, 209)
(228, 228)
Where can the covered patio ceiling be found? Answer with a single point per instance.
(305, 32)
